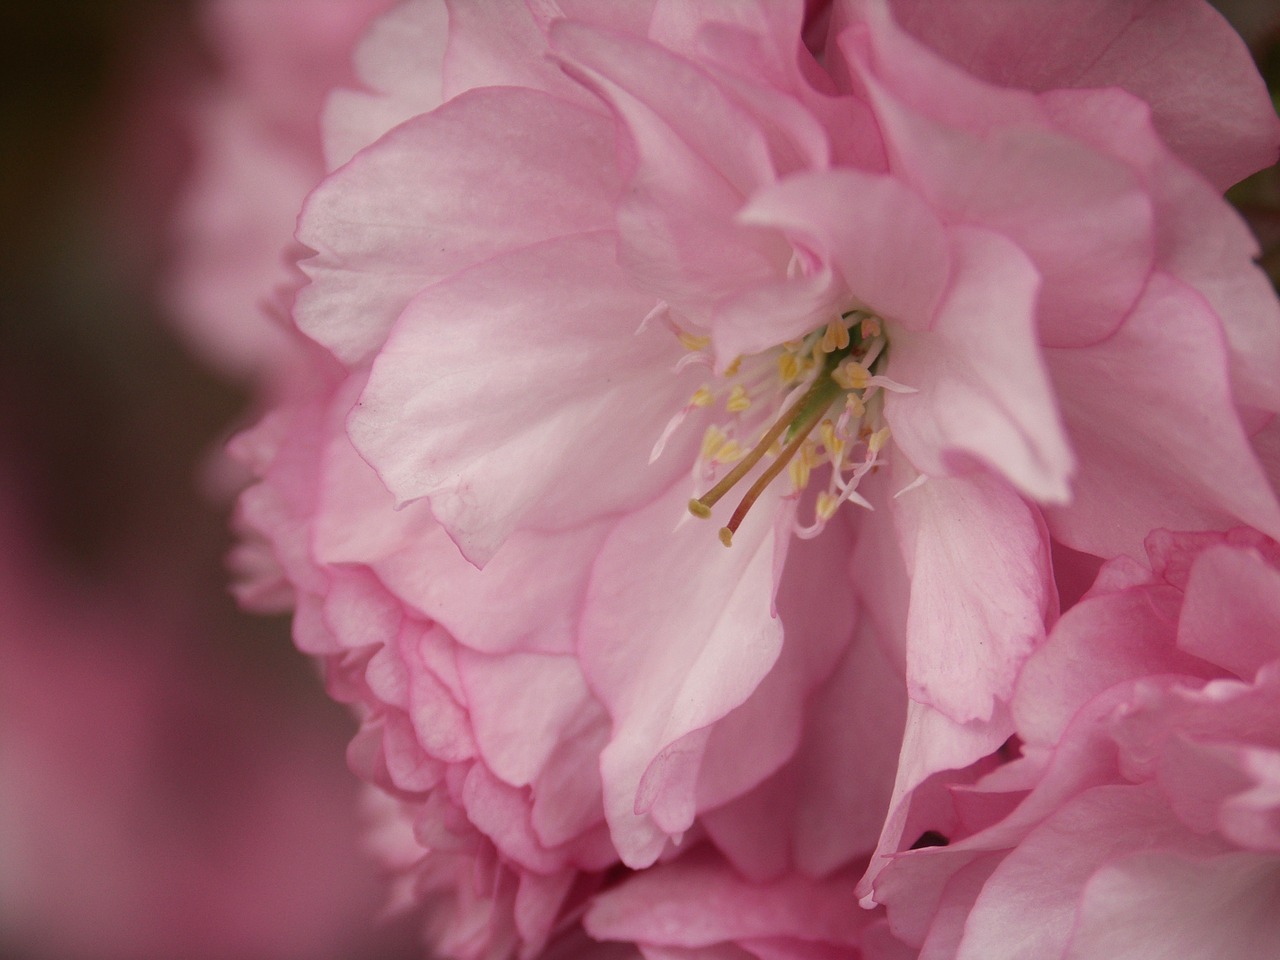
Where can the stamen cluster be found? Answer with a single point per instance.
(829, 391)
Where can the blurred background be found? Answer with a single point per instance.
(172, 776)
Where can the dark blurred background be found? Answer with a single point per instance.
(172, 776)
(172, 780)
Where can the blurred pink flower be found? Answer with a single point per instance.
(154, 804)
(257, 153)
(1152, 757)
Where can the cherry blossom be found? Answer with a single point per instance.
(706, 391)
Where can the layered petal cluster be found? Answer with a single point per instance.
(257, 151)
(904, 314)
(1147, 798)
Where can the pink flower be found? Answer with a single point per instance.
(1153, 765)
(904, 313)
(626, 245)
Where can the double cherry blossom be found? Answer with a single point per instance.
(716, 394)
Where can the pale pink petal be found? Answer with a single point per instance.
(1164, 903)
(826, 807)
(880, 237)
(992, 158)
(498, 609)
(691, 157)
(1157, 436)
(1025, 910)
(981, 385)
(672, 652)
(931, 742)
(816, 605)
(398, 62)
(489, 172)
(506, 46)
(541, 434)
(697, 901)
(1102, 641)
(1231, 614)
(980, 592)
(1199, 239)
(1179, 55)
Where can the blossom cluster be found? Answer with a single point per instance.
(781, 479)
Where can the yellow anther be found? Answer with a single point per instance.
(802, 465)
(732, 369)
(738, 399)
(699, 509)
(831, 441)
(853, 403)
(694, 342)
(835, 337)
(730, 452)
(826, 506)
(851, 376)
(871, 328)
(876, 442)
(788, 367)
(702, 397)
(726, 536)
(712, 442)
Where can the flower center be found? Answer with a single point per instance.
(830, 393)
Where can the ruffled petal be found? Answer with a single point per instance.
(1179, 55)
(671, 651)
(1167, 903)
(510, 395)
(980, 592)
(1159, 442)
(992, 158)
(981, 388)
(487, 173)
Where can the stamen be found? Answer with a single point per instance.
(702, 397)
(788, 367)
(738, 399)
(835, 337)
(730, 479)
(771, 473)
(693, 341)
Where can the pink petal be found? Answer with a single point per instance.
(489, 172)
(692, 156)
(676, 632)
(931, 743)
(991, 158)
(880, 237)
(980, 591)
(1158, 438)
(1165, 903)
(1026, 911)
(499, 46)
(398, 62)
(816, 606)
(697, 901)
(1200, 239)
(1231, 614)
(495, 610)
(827, 805)
(550, 435)
(1210, 104)
(1102, 641)
(982, 387)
